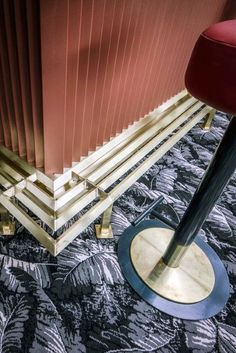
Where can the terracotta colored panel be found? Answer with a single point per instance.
(54, 35)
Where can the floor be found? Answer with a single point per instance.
(80, 302)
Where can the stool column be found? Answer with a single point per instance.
(217, 175)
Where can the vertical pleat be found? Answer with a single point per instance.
(20, 79)
(54, 41)
(33, 29)
(5, 124)
(73, 48)
(138, 59)
(97, 18)
(24, 76)
(132, 43)
(118, 35)
(1, 129)
(8, 9)
(6, 87)
(82, 83)
(148, 54)
(87, 54)
(108, 42)
(124, 53)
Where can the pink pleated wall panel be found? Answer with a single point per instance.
(74, 73)
(106, 63)
(20, 79)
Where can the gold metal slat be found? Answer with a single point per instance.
(79, 226)
(67, 196)
(41, 194)
(58, 219)
(4, 182)
(134, 146)
(140, 154)
(68, 212)
(10, 171)
(140, 133)
(17, 161)
(69, 235)
(85, 163)
(7, 177)
(46, 180)
(56, 200)
(34, 205)
(40, 234)
(138, 172)
(50, 201)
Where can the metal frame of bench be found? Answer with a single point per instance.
(97, 181)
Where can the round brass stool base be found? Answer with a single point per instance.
(197, 289)
(191, 282)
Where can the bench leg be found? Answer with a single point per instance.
(7, 227)
(208, 120)
(104, 230)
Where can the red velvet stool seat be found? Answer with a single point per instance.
(211, 72)
(188, 279)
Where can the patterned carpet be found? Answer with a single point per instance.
(80, 302)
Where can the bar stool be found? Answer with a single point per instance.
(176, 271)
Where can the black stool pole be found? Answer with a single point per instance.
(217, 175)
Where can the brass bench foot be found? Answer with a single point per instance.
(7, 227)
(104, 230)
(208, 120)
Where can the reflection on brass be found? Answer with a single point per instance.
(208, 120)
(103, 233)
(189, 283)
(55, 200)
(177, 256)
(7, 227)
(104, 230)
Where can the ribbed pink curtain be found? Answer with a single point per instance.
(74, 73)
(20, 79)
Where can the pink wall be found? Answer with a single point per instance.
(76, 72)
(105, 63)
